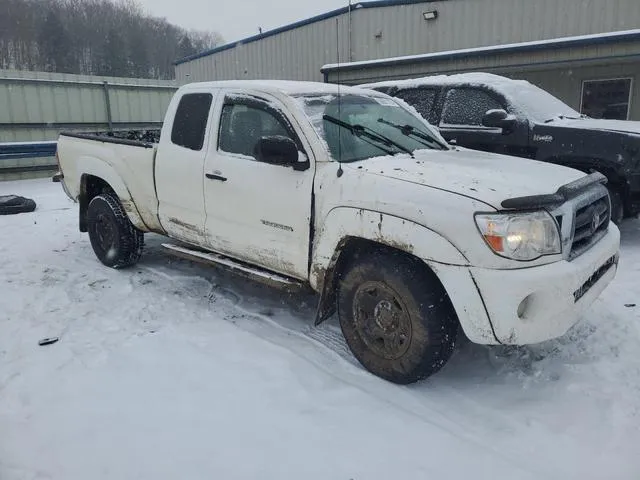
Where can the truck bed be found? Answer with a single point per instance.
(125, 160)
(141, 138)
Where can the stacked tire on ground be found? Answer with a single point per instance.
(13, 204)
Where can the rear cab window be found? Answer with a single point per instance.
(190, 121)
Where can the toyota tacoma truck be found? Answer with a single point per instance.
(496, 114)
(350, 192)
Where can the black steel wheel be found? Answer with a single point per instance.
(382, 320)
(395, 315)
(114, 239)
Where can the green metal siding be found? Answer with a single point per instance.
(37, 105)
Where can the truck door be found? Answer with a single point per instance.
(461, 120)
(180, 166)
(257, 212)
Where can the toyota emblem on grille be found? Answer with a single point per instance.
(595, 222)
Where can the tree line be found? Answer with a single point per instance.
(93, 37)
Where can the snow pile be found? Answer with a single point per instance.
(174, 370)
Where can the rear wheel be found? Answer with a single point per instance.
(114, 239)
(396, 316)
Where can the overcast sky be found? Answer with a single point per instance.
(236, 19)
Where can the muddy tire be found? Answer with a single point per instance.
(13, 204)
(617, 207)
(114, 239)
(395, 316)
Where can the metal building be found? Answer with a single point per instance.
(37, 106)
(555, 44)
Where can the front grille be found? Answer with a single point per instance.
(593, 279)
(591, 223)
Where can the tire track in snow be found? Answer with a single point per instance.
(325, 348)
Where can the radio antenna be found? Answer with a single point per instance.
(340, 171)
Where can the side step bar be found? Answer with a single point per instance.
(259, 274)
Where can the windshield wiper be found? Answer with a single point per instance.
(363, 132)
(408, 130)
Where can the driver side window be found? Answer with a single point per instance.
(467, 106)
(242, 126)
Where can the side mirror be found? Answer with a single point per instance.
(499, 119)
(279, 150)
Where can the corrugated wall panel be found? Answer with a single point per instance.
(569, 88)
(34, 104)
(473, 23)
(292, 55)
(298, 54)
(612, 55)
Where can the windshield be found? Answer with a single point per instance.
(358, 127)
(541, 105)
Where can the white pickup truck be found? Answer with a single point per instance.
(352, 193)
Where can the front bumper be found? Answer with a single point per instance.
(531, 305)
(554, 295)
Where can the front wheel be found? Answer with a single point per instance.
(114, 239)
(396, 317)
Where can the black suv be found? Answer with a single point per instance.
(496, 114)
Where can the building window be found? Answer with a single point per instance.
(607, 98)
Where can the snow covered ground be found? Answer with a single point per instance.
(175, 370)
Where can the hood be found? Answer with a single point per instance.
(486, 177)
(621, 126)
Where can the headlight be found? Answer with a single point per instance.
(520, 236)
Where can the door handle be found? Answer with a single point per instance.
(212, 176)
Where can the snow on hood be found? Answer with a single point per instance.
(623, 126)
(487, 177)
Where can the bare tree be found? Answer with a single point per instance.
(100, 37)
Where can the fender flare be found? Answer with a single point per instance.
(347, 222)
(344, 225)
(100, 169)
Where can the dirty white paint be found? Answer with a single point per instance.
(127, 169)
(261, 214)
(180, 178)
(551, 308)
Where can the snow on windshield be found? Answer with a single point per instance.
(356, 127)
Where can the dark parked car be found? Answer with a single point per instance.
(496, 114)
